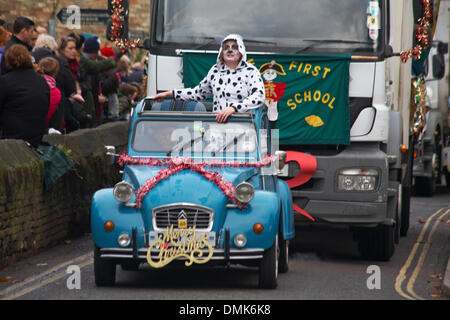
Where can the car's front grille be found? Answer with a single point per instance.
(183, 215)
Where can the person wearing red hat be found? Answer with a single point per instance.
(107, 52)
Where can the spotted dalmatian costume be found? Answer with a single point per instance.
(242, 88)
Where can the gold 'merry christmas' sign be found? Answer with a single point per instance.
(178, 243)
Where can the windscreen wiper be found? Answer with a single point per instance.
(224, 146)
(211, 40)
(316, 42)
(190, 142)
(260, 41)
(219, 39)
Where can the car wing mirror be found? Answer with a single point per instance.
(111, 154)
(280, 162)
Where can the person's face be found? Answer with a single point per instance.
(33, 39)
(70, 51)
(230, 51)
(29, 36)
(133, 95)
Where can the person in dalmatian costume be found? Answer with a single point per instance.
(235, 84)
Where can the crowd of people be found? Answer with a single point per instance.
(50, 85)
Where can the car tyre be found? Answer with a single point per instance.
(104, 270)
(268, 267)
(283, 259)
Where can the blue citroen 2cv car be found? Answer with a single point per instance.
(194, 191)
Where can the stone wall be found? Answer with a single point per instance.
(41, 11)
(32, 218)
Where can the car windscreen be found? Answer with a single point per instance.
(199, 137)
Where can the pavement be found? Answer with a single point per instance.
(446, 280)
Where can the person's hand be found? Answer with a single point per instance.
(163, 95)
(223, 115)
(101, 98)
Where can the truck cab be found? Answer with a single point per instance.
(365, 183)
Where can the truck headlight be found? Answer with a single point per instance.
(123, 191)
(358, 179)
(245, 192)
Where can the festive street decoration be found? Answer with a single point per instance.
(177, 164)
(419, 100)
(117, 26)
(422, 35)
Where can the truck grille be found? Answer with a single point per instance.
(190, 215)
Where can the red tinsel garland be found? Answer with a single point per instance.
(177, 164)
(117, 26)
(422, 35)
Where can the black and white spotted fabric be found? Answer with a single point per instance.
(241, 88)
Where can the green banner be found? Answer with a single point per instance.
(308, 93)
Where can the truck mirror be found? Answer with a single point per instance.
(388, 51)
(442, 48)
(147, 43)
(438, 66)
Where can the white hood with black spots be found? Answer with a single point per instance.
(241, 88)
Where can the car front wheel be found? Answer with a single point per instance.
(268, 267)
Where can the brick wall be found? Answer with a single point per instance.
(30, 217)
(41, 11)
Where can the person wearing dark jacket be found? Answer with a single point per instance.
(24, 98)
(66, 84)
(24, 34)
(92, 66)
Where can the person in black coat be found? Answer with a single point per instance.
(24, 34)
(24, 98)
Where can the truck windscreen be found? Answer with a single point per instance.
(288, 25)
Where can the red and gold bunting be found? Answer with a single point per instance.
(423, 35)
(117, 25)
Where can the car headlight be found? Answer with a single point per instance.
(240, 240)
(358, 179)
(123, 191)
(124, 240)
(245, 192)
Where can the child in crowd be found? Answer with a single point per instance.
(127, 95)
(49, 68)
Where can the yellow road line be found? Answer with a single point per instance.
(402, 274)
(43, 274)
(43, 283)
(415, 274)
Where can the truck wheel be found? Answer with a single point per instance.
(426, 186)
(376, 243)
(447, 176)
(405, 213)
(268, 267)
(104, 270)
(398, 215)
